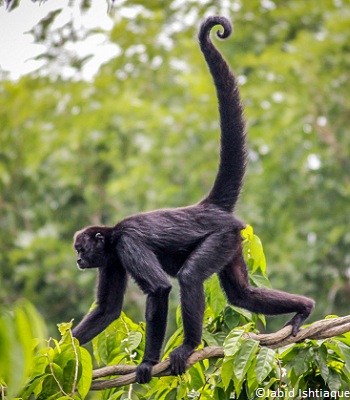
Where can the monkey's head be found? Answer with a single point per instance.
(91, 245)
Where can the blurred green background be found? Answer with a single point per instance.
(143, 133)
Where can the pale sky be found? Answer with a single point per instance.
(17, 48)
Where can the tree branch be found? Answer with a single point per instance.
(323, 329)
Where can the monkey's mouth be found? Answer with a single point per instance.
(83, 265)
(80, 265)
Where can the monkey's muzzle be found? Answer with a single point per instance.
(80, 264)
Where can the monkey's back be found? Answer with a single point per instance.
(172, 234)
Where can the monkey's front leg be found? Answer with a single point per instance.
(110, 293)
(93, 324)
(156, 319)
(152, 280)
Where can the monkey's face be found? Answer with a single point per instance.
(90, 247)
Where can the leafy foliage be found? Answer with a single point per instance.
(20, 332)
(63, 370)
(30, 366)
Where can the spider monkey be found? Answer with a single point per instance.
(189, 243)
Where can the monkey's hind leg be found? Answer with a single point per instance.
(234, 281)
(209, 257)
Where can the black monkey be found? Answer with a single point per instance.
(189, 243)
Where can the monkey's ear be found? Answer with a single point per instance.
(99, 236)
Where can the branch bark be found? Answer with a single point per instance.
(323, 329)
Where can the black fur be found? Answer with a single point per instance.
(190, 243)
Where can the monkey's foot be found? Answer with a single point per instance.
(178, 359)
(144, 371)
(299, 318)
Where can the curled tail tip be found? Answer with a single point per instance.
(210, 22)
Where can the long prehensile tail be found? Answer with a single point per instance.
(225, 191)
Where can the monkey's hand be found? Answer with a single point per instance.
(178, 359)
(144, 371)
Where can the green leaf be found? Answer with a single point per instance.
(264, 363)
(84, 382)
(33, 386)
(247, 232)
(345, 351)
(257, 253)
(197, 377)
(174, 341)
(171, 395)
(227, 371)
(233, 342)
(57, 371)
(321, 361)
(49, 387)
(252, 382)
(219, 393)
(179, 317)
(64, 327)
(253, 251)
(37, 323)
(232, 317)
(127, 396)
(214, 295)
(17, 345)
(244, 357)
(134, 339)
(69, 375)
(210, 339)
(181, 390)
(301, 362)
(115, 339)
(334, 380)
(242, 361)
(260, 280)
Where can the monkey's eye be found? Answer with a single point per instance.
(99, 236)
(80, 250)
